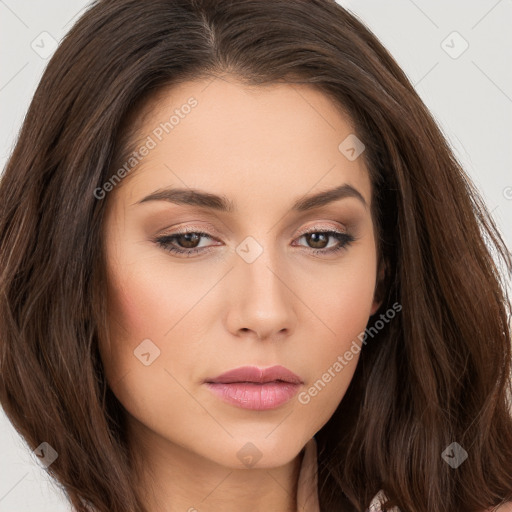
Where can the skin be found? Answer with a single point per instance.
(263, 148)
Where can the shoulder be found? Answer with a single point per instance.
(506, 507)
(380, 497)
(378, 500)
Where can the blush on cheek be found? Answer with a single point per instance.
(128, 327)
(131, 306)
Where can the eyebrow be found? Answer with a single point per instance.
(194, 197)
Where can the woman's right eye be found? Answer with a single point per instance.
(189, 239)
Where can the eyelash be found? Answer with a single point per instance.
(345, 240)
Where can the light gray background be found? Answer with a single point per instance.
(470, 96)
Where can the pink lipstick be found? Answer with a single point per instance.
(255, 388)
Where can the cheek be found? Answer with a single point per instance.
(134, 313)
(344, 304)
(148, 302)
(133, 304)
(344, 307)
(139, 317)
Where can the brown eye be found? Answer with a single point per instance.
(188, 243)
(317, 240)
(188, 240)
(183, 243)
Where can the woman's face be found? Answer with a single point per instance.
(262, 286)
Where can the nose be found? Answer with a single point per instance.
(262, 303)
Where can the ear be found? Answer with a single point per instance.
(378, 295)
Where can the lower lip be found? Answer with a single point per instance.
(254, 396)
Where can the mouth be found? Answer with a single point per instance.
(253, 374)
(253, 388)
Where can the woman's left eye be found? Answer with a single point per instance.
(188, 243)
(320, 239)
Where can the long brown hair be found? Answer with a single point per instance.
(438, 373)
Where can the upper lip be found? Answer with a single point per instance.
(258, 375)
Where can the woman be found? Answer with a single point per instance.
(242, 270)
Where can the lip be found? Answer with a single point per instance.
(255, 388)
(257, 375)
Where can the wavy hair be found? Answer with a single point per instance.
(440, 372)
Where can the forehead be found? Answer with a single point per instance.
(253, 144)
